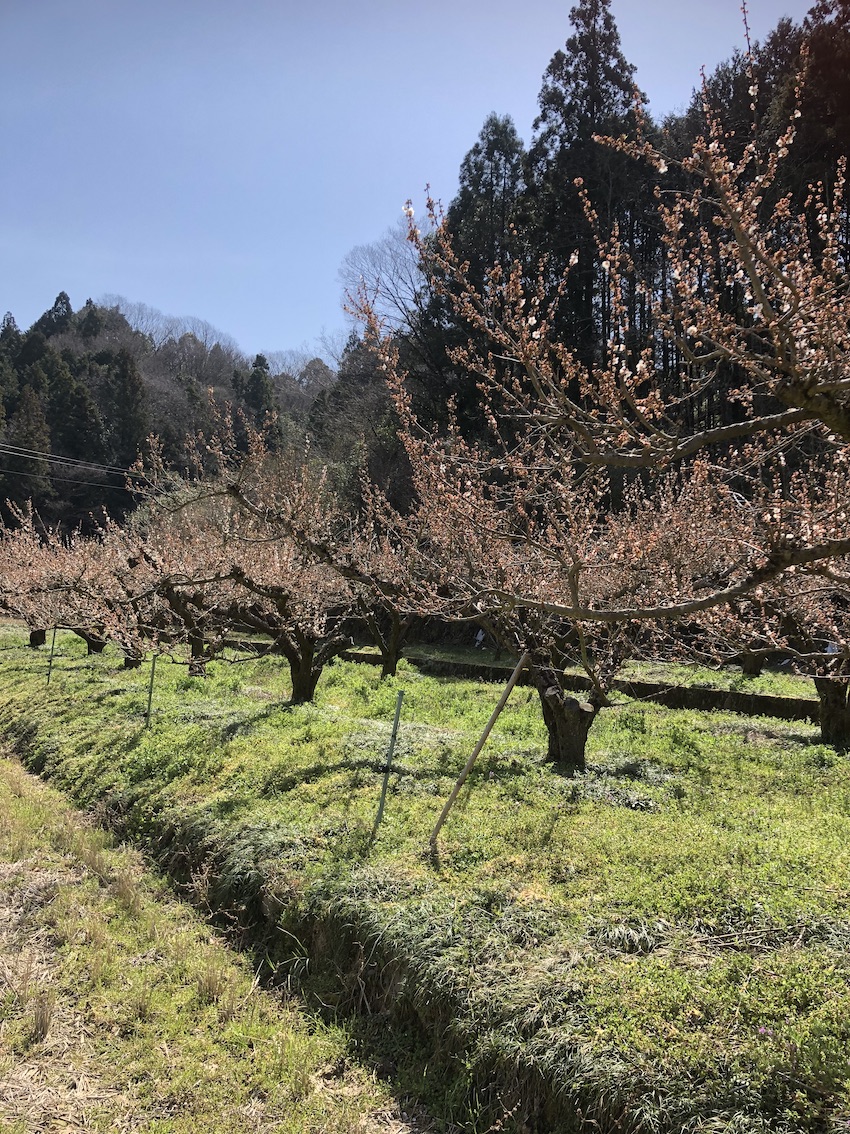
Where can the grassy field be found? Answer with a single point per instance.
(660, 944)
(776, 680)
(119, 1011)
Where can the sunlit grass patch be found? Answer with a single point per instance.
(665, 936)
(122, 1011)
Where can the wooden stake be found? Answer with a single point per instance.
(52, 649)
(483, 740)
(150, 691)
(380, 814)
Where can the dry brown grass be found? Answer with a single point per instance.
(64, 1067)
(46, 1069)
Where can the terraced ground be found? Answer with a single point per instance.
(662, 944)
(120, 1011)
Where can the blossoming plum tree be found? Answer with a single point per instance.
(604, 506)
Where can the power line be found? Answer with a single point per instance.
(59, 465)
(17, 450)
(68, 479)
(55, 458)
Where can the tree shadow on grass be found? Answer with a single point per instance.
(250, 719)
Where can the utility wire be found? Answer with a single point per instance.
(36, 454)
(60, 466)
(69, 479)
(56, 458)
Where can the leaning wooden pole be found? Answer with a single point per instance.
(521, 664)
(150, 690)
(52, 652)
(389, 766)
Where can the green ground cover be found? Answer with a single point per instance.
(775, 680)
(660, 944)
(119, 1011)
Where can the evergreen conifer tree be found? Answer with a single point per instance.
(125, 409)
(588, 89)
(26, 477)
(491, 184)
(58, 318)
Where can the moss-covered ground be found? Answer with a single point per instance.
(660, 944)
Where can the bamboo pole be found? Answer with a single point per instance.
(482, 741)
(390, 752)
(150, 691)
(52, 650)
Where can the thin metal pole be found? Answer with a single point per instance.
(150, 691)
(52, 648)
(380, 814)
(482, 741)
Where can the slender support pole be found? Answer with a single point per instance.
(150, 691)
(390, 751)
(52, 650)
(482, 741)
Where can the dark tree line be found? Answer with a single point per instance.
(80, 391)
(89, 385)
(553, 205)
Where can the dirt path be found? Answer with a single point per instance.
(84, 1045)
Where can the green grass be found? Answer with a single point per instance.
(777, 681)
(118, 1010)
(660, 944)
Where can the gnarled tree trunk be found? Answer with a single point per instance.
(304, 669)
(834, 695)
(304, 678)
(567, 721)
(388, 634)
(95, 644)
(198, 659)
(751, 664)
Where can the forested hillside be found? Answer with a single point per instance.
(81, 389)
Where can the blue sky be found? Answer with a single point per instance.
(218, 159)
